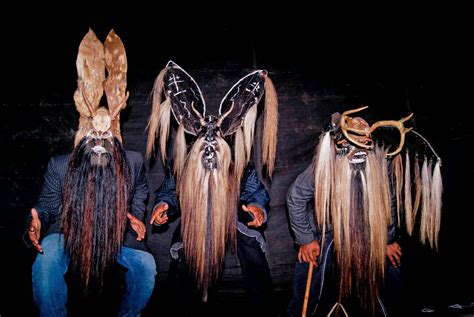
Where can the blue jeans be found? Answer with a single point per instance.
(50, 289)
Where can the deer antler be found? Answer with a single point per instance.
(397, 124)
(345, 119)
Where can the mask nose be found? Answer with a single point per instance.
(99, 142)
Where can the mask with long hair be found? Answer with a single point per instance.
(97, 189)
(208, 176)
(355, 176)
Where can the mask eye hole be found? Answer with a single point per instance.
(92, 134)
(106, 134)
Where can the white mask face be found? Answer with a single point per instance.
(100, 143)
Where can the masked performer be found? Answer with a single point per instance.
(92, 205)
(360, 195)
(210, 186)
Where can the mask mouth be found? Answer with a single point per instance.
(99, 149)
(357, 156)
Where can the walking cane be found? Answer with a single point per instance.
(308, 287)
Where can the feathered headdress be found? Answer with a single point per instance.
(208, 176)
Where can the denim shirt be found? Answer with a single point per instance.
(300, 202)
(253, 193)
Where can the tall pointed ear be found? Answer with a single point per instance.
(90, 66)
(182, 97)
(116, 84)
(187, 103)
(239, 109)
(246, 93)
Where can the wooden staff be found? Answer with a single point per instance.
(308, 287)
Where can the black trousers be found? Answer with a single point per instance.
(256, 277)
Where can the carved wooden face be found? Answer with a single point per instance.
(100, 139)
(101, 145)
(209, 158)
(358, 129)
(102, 120)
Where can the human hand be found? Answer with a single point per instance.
(159, 216)
(34, 230)
(258, 215)
(309, 252)
(138, 226)
(394, 254)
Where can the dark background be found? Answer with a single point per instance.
(396, 61)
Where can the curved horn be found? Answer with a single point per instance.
(222, 117)
(397, 124)
(201, 118)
